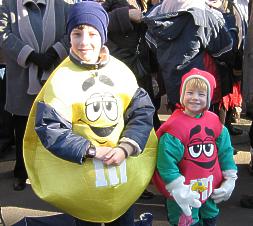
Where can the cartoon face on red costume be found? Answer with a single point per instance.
(201, 149)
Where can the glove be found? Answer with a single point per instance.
(225, 190)
(183, 195)
(51, 54)
(34, 58)
(43, 60)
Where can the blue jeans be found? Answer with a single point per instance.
(127, 219)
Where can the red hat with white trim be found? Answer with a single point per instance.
(205, 76)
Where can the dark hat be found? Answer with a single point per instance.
(88, 13)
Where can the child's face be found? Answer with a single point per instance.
(194, 101)
(86, 43)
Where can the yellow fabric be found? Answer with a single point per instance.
(92, 191)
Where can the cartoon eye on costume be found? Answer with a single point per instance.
(94, 108)
(208, 149)
(93, 111)
(195, 150)
(98, 103)
(110, 108)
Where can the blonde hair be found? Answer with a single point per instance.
(197, 83)
(80, 27)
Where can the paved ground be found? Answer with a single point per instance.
(16, 205)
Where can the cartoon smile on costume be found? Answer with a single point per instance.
(100, 117)
(91, 191)
(201, 152)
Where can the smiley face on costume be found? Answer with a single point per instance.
(202, 148)
(100, 116)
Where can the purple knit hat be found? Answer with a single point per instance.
(88, 13)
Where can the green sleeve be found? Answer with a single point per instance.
(170, 152)
(225, 151)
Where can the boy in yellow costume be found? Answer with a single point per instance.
(92, 123)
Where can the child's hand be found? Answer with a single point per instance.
(115, 157)
(101, 152)
(225, 190)
(183, 195)
(186, 198)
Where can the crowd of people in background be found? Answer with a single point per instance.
(160, 42)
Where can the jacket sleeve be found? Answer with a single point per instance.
(63, 45)
(170, 153)
(56, 135)
(220, 42)
(119, 21)
(9, 42)
(225, 151)
(139, 118)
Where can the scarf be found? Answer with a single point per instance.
(27, 35)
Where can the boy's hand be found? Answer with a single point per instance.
(114, 157)
(101, 152)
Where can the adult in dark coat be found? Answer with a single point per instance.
(33, 41)
(182, 34)
(126, 42)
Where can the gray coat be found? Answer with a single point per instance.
(16, 51)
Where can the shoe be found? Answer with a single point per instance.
(146, 219)
(247, 201)
(19, 184)
(234, 131)
(147, 195)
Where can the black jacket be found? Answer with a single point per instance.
(180, 40)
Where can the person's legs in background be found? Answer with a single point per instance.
(151, 86)
(6, 124)
(20, 173)
(228, 123)
(226, 119)
(251, 148)
(246, 201)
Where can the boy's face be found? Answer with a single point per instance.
(194, 101)
(86, 43)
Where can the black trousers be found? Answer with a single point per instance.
(146, 83)
(6, 123)
(127, 219)
(19, 123)
(251, 134)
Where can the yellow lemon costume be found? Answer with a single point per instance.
(94, 102)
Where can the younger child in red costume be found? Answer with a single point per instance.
(195, 156)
